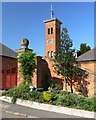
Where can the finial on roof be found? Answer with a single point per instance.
(52, 12)
(24, 43)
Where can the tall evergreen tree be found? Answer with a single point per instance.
(65, 60)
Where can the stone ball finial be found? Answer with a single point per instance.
(24, 43)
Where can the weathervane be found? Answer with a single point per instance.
(52, 12)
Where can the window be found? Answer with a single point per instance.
(8, 71)
(2, 71)
(56, 30)
(48, 53)
(13, 70)
(48, 30)
(51, 54)
(51, 30)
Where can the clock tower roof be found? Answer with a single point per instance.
(53, 19)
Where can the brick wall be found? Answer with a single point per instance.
(55, 78)
(8, 61)
(46, 72)
(89, 65)
(19, 76)
(85, 85)
(41, 76)
(91, 79)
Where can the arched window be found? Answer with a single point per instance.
(51, 30)
(56, 30)
(48, 53)
(52, 54)
(48, 30)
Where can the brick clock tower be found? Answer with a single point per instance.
(53, 26)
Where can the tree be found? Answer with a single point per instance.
(83, 48)
(27, 60)
(65, 60)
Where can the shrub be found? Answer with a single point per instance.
(59, 101)
(34, 95)
(14, 98)
(48, 97)
(55, 88)
(17, 92)
(80, 100)
(62, 98)
(10, 92)
(69, 100)
(65, 99)
(89, 104)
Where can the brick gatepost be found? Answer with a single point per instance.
(24, 46)
(41, 74)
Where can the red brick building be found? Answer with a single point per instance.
(8, 67)
(44, 73)
(87, 62)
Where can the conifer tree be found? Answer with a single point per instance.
(65, 60)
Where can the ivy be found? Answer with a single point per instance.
(27, 60)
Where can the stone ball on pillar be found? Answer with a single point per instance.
(24, 43)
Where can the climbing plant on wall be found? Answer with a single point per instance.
(27, 60)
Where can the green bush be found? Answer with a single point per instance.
(17, 92)
(65, 99)
(14, 98)
(80, 100)
(88, 104)
(62, 98)
(48, 97)
(69, 100)
(55, 88)
(34, 95)
(59, 101)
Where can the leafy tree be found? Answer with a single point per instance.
(65, 60)
(83, 48)
(27, 60)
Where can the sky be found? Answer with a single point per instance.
(26, 20)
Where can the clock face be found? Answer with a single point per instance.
(50, 41)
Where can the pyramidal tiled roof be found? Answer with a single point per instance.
(5, 51)
(88, 56)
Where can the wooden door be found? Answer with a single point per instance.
(13, 77)
(8, 78)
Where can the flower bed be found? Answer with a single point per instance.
(60, 98)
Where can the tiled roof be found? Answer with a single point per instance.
(88, 56)
(5, 51)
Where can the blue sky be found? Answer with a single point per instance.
(25, 20)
